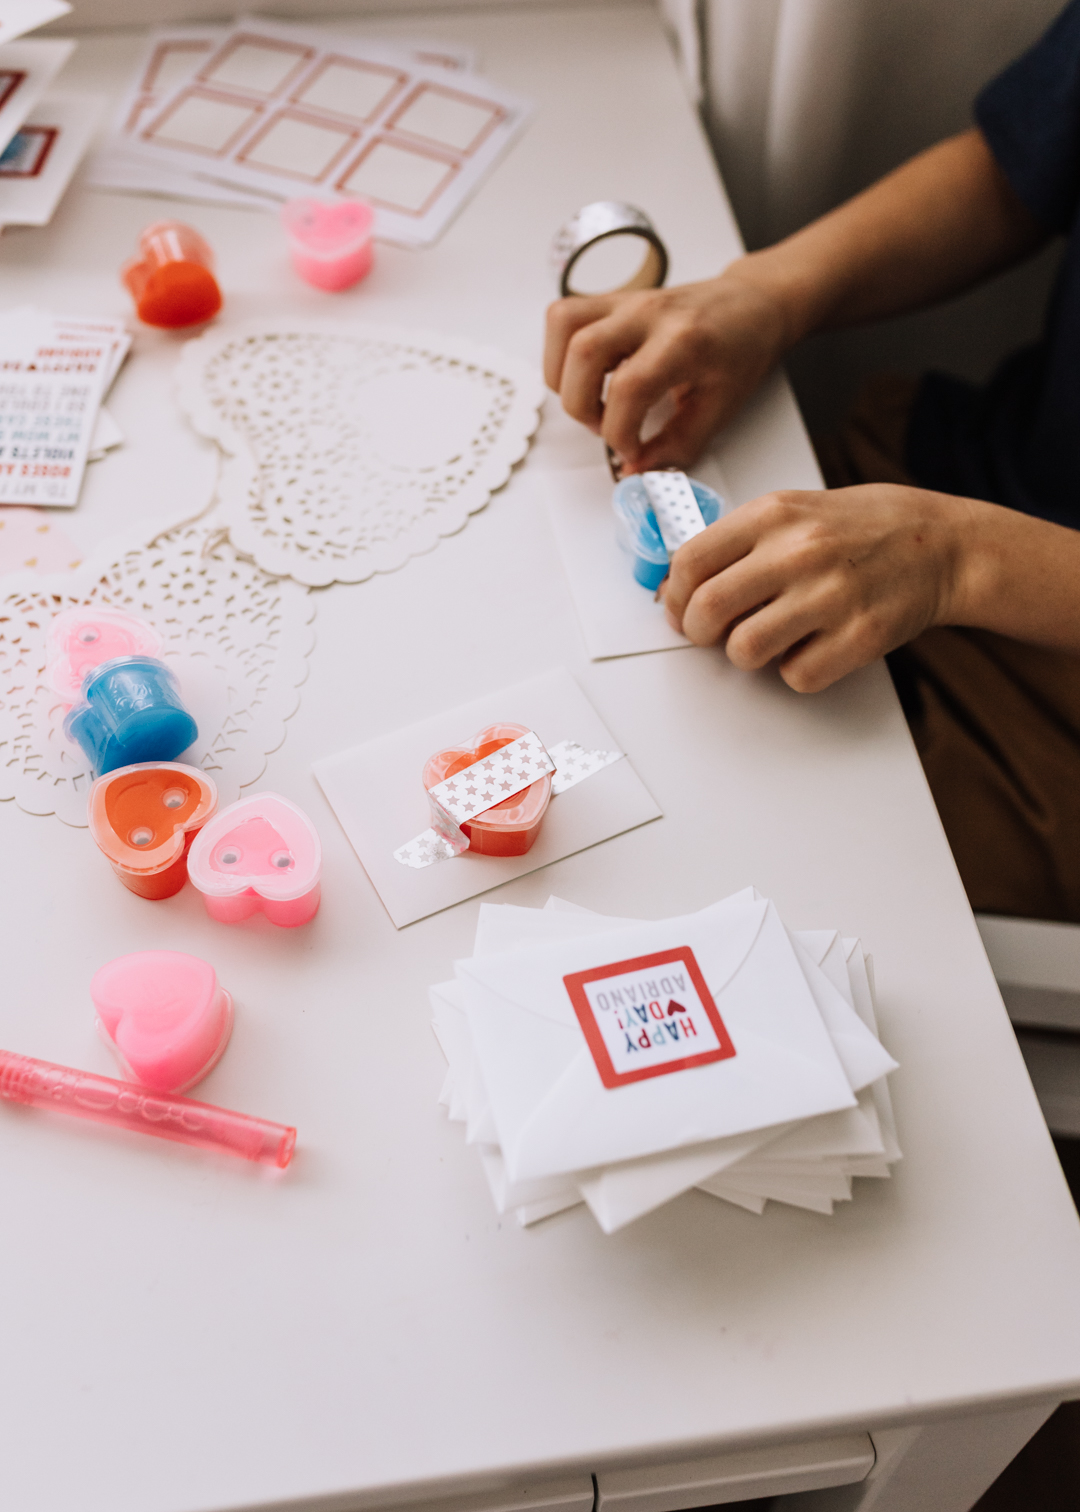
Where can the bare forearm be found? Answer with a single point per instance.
(937, 225)
(1016, 575)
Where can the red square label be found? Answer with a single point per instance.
(648, 1016)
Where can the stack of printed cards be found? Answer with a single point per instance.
(54, 373)
(262, 112)
(621, 1063)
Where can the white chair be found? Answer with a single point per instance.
(1037, 966)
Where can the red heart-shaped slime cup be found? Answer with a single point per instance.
(144, 819)
(165, 1015)
(261, 853)
(509, 828)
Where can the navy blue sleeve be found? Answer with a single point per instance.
(1030, 115)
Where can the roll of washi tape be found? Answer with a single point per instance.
(600, 222)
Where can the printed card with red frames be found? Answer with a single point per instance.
(287, 112)
(648, 1016)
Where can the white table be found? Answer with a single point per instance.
(184, 1335)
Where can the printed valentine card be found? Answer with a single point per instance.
(648, 1016)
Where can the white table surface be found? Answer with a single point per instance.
(182, 1334)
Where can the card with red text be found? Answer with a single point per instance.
(648, 1016)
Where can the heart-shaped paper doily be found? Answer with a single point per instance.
(236, 639)
(165, 1015)
(347, 450)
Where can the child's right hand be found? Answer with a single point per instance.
(708, 345)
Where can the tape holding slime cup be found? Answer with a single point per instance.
(655, 513)
(490, 794)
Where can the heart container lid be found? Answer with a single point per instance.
(140, 815)
(262, 844)
(323, 229)
(80, 639)
(165, 1015)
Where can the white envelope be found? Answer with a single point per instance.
(833, 1146)
(505, 927)
(549, 1105)
(847, 1143)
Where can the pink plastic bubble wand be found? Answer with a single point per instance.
(83, 1094)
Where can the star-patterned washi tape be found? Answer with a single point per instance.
(573, 763)
(673, 503)
(507, 771)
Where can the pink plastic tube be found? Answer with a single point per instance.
(40, 1084)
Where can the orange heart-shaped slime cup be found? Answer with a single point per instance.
(172, 280)
(144, 819)
(510, 828)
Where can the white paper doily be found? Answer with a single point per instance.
(348, 450)
(237, 639)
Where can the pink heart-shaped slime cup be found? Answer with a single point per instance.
(259, 853)
(80, 639)
(330, 243)
(165, 1016)
(144, 819)
(509, 828)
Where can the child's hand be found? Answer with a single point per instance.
(708, 345)
(823, 582)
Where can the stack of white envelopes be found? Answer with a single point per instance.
(620, 1063)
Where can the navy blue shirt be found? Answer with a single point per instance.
(1016, 440)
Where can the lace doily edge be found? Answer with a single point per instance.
(201, 350)
(295, 665)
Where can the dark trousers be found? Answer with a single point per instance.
(996, 723)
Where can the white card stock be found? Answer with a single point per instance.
(40, 160)
(378, 796)
(278, 111)
(172, 56)
(26, 71)
(526, 1082)
(17, 17)
(618, 617)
